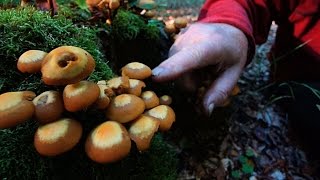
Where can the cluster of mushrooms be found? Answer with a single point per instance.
(131, 113)
(104, 8)
(173, 28)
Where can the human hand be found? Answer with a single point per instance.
(216, 50)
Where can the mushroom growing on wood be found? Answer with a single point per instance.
(164, 114)
(81, 95)
(30, 61)
(142, 130)
(109, 142)
(57, 137)
(48, 106)
(16, 108)
(150, 99)
(125, 107)
(136, 70)
(66, 65)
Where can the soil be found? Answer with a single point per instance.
(249, 139)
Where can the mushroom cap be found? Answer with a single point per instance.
(135, 87)
(16, 108)
(80, 95)
(103, 100)
(136, 70)
(150, 99)
(142, 130)
(48, 106)
(180, 22)
(30, 61)
(170, 28)
(114, 4)
(164, 114)
(66, 65)
(57, 137)
(165, 100)
(118, 84)
(146, 4)
(92, 4)
(108, 142)
(125, 107)
(150, 14)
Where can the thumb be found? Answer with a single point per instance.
(181, 62)
(219, 90)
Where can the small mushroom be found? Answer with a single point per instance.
(30, 61)
(125, 107)
(107, 143)
(136, 70)
(146, 4)
(150, 14)
(48, 106)
(170, 28)
(66, 65)
(80, 96)
(57, 137)
(135, 87)
(16, 108)
(164, 114)
(118, 84)
(180, 22)
(150, 99)
(142, 130)
(165, 100)
(103, 100)
(114, 4)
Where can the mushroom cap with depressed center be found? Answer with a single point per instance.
(48, 106)
(150, 99)
(125, 107)
(57, 137)
(80, 95)
(136, 70)
(66, 65)
(135, 87)
(16, 108)
(107, 143)
(30, 61)
(165, 100)
(142, 130)
(164, 114)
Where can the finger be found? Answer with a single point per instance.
(219, 90)
(181, 62)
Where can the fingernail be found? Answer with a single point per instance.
(210, 109)
(157, 71)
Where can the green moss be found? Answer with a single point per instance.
(25, 29)
(129, 26)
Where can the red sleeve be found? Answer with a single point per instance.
(252, 17)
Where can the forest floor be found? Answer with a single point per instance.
(254, 142)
